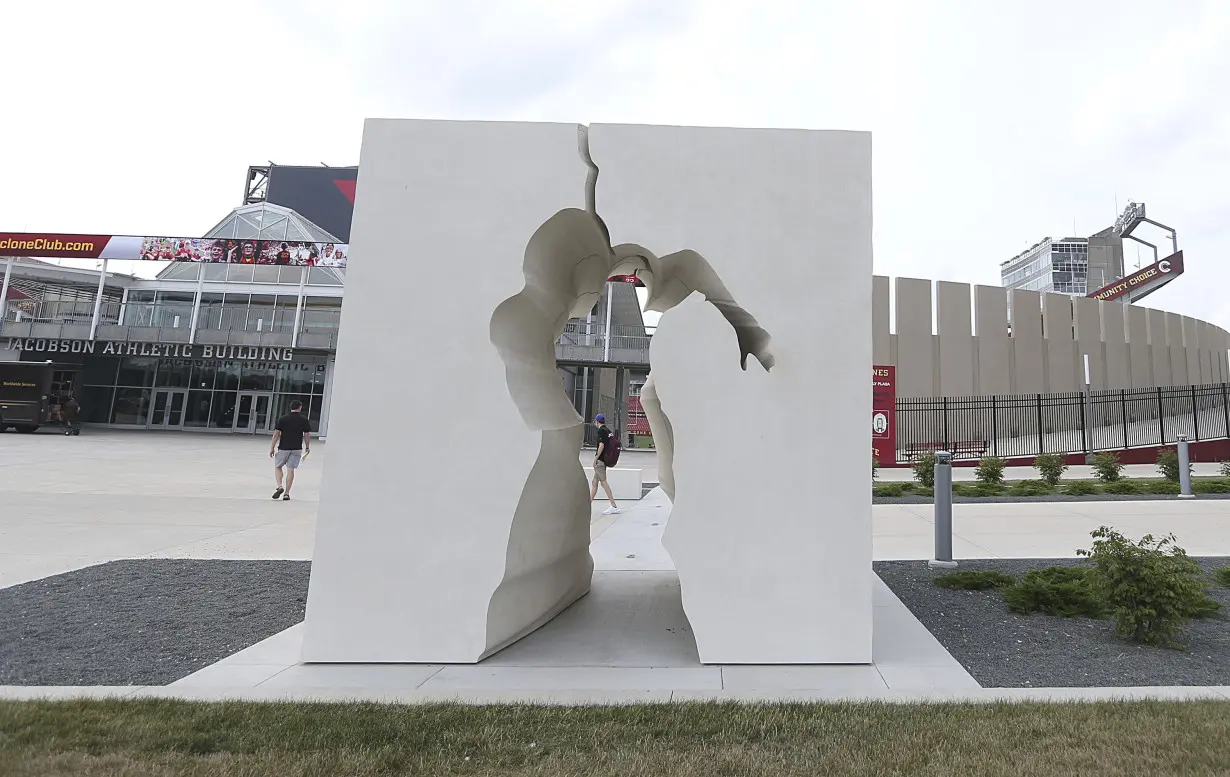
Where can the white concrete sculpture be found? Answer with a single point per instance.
(755, 243)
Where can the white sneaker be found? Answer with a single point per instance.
(611, 511)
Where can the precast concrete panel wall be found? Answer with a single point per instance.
(1028, 370)
(1178, 354)
(991, 333)
(915, 364)
(1128, 346)
(1190, 340)
(1114, 344)
(1159, 347)
(1088, 317)
(955, 339)
(1140, 359)
(1062, 362)
(881, 335)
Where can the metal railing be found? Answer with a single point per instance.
(1025, 425)
(57, 311)
(176, 316)
(587, 341)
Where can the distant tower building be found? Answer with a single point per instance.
(1071, 265)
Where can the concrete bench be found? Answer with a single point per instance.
(625, 483)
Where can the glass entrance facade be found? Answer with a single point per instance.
(215, 394)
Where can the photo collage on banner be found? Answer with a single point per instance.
(234, 251)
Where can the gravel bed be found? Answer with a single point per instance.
(144, 621)
(915, 499)
(1004, 650)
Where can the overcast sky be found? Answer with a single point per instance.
(995, 123)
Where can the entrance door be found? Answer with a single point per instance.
(252, 412)
(167, 409)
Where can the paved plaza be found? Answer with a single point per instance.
(68, 503)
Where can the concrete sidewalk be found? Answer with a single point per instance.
(73, 502)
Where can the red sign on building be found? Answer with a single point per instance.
(884, 415)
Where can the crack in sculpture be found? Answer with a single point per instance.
(566, 263)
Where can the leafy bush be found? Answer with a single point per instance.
(1029, 488)
(1225, 469)
(921, 490)
(1050, 468)
(1151, 587)
(875, 467)
(1122, 487)
(924, 468)
(1211, 486)
(1082, 488)
(1222, 576)
(1067, 592)
(1168, 464)
(888, 489)
(971, 580)
(990, 470)
(1107, 467)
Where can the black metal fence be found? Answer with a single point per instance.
(1028, 424)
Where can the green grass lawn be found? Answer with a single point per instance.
(1156, 486)
(139, 738)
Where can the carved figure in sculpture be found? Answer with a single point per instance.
(566, 264)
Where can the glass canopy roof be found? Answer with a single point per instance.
(266, 221)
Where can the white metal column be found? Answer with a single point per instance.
(606, 338)
(4, 288)
(196, 304)
(102, 279)
(294, 337)
(123, 306)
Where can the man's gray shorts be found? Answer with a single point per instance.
(288, 459)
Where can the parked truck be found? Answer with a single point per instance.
(25, 389)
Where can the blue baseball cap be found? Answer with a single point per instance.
(600, 418)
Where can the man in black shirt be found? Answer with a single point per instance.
(604, 441)
(292, 441)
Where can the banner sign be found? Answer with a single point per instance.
(1130, 218)
(161, 350)
(173, 249)
(884, 415)
(627, 279)
(1144, 281)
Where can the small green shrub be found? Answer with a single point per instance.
(1107, 467)
(1168, 464)
(1225, 469)
(924, 468)
(1068, 592)
(888, 489)
(921, 490)
(875, 468)
(978, 489)
(1082, 488)
(1206, 608)
(1122, 487)
(1050, 468)
(1217, 486)
(1154, 486)
(1222, 576)
(990, 470)
(1029, 488)
(1151, 587)
(971, 580)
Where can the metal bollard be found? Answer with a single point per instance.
(1185, 474)
(943, 511)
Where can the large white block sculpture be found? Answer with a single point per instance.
(459, 522)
